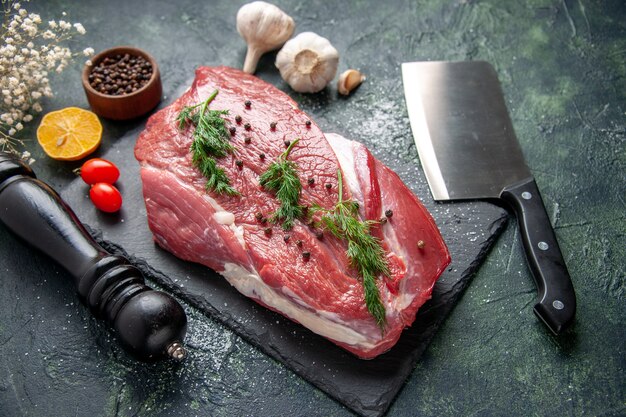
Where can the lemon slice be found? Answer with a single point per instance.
(69, 134)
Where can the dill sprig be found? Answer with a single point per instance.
(210, 141)
(364, 250)
(281, 177)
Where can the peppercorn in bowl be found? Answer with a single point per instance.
(122, 83)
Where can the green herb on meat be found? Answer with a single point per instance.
(281, 177)
(364, 250)
(210, 141)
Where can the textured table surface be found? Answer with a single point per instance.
(562, 67)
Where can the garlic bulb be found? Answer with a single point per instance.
(264, 27)
(349, 80)
(307, 62)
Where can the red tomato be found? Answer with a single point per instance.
(99, 170)
(105, 197)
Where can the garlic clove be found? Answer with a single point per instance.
(349, 80)
(307, 62)
(264, 27)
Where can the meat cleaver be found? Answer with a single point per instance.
(468, 149)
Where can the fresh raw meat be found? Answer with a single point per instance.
(322, 293)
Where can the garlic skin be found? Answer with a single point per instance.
(264, 27)
(349, 80)
(308, 62)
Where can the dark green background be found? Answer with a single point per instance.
(562, 65)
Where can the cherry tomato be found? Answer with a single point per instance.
(99, 170)
(105, 197)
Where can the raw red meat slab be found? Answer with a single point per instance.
(221, 232)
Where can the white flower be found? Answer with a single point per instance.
(80, 28)
(27, 55)
(88, 63)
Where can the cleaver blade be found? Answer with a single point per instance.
(468, 150)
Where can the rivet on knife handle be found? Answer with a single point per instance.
(557, 300)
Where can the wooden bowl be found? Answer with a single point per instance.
(126, 106)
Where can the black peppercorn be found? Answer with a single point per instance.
(308, 123)
(239, 163)
(273, 125)
(262, 156)
(328, 186)
(319, 234)
(299, 243)
(311, 180)
(388, 213)
(258, 215)
(286, 238)
(232, 130)
(383, 220)
(247, 140)
(267, 231)
(287, 143)
(238, 119)
(120, 75)
(306, 255)
(247, 126)
(247, 103)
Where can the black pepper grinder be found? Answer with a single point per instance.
(151, 324)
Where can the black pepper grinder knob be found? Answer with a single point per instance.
(150, 324)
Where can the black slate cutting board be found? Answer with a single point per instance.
(367, 387)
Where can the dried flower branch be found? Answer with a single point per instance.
(27, 54)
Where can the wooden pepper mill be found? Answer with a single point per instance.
(150, 324)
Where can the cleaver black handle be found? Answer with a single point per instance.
(557, 300)
(150, 324)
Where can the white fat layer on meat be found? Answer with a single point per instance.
(345, 156)
(226, 218)
(251, 285)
